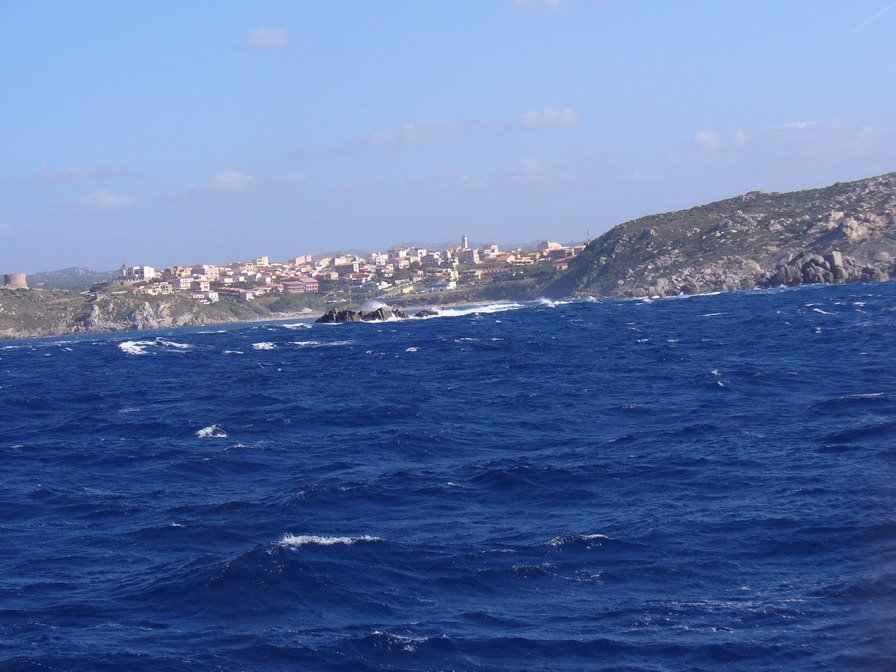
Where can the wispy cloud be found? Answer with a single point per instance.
(551, 117)
(708, 141)
(871, 19)
(427, 131)
(231, 181)
(268, 38)
(530, 165)
(293, 178)
(539, 6)
(797, 125)
(101, 202)
(74, 173)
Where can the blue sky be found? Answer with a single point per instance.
(172, 132)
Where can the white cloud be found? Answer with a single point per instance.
(708, 141)
(551, 117)
(231, 180)
(81, 173)
(530, 165)
(293, 177)
(540, 6)
(102, 201)
(791, 125)
(427, 131)
(741, 138)
(268, 38)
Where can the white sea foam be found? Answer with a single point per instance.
(173, 344)
(412, 349)
(546, 302)
(321, 344)
(141, 347)
(477, 309)
(135, 347)
(263, 346)
(295, 541)
(212, 432)
(233, 352)
(297, 325)
(823, 312)
(557, 542)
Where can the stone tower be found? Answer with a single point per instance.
(15, 281)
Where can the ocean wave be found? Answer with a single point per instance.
(264, 345)
(134, 347)
(297, 325)
(477, 309)
(296, 541)
(142, 347)
(572, 539)
(212, 432)
(322, 344)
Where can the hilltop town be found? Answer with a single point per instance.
(144, 297)
(399, 272)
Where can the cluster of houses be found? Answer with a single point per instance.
(399, 270)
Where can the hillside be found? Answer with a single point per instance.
(745, 242)
(30, 313)
(75, 278)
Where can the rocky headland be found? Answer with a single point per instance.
(842, 233)
(32, 313)
(381, 314)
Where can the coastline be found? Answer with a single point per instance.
(309, 315)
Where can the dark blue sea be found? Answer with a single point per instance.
(702, 483)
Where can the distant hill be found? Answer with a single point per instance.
(75, 278)
(842, 233)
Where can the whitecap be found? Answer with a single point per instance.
(321, 344)
(212, 432)
(173, 344)
(412, 349)
(295, 541)
(233, 352)
(823, 312)
(263, 346)
(135, 347)
(477, 310)
(557, 542)
(297, 325)
(546, 302)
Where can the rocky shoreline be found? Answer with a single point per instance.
(842, 233)
(381, 314)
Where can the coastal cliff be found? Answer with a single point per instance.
(34, 313)
(842, 233)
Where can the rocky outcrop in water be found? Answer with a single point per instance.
(342, 315)
(754, 240)
(832, 268)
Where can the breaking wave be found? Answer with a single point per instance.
(296, 541)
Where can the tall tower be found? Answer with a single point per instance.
(15, 281)
(464, 243)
